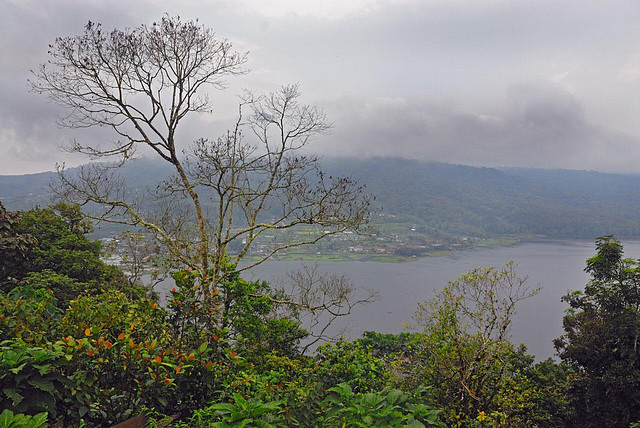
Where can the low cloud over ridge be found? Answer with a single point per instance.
(537, 125)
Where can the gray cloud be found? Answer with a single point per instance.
(538, 126)
(430, 79)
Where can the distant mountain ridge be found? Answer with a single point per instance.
(452, 199)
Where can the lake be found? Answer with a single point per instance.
(555, 265)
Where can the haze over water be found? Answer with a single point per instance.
(556, 265)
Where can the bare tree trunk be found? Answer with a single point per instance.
(202, 221)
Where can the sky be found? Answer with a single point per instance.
(529, 83)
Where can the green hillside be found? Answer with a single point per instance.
(450, 199)
(467, 200)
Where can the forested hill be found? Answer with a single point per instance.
(453, 199)
(475, 201)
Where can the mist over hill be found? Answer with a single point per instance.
(451, 199)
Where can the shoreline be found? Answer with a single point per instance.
(392, 258)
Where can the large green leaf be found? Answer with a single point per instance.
(38, 420)
(6, 418)
(13, 395)
(42, 384)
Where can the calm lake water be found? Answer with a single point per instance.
(555, 265)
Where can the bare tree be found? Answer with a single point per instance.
(141, 83)
(318, 299)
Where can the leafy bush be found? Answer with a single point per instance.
(28, 314)
(14, 248)
(602, 329)
(386, 345)
(34, 379)
(139, 359)
(239, 413)
(63, 288)
(387, 408)
(10, 420)
(350, 363)
(67, 261)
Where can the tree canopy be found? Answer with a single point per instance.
(602, 326)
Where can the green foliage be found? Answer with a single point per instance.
(465, 354)
(14, 248)
(138, 358)
(388, 345)
(602, 330)
(352, 364)
(63, 288)
(82, 348)
(548, 382)
(64, 258)
(36, 379)
(464, 200)
(340, 406)
(250, 312)
(47, 249)
(28, 314)
(194, 311)
(115, 357)
(10, 420)
(113, 313)
(242, 311)
(61, 246)
(239, 413)
(387, 408)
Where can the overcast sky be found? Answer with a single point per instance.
(552, 84)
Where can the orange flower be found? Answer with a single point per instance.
(121, 336)
(158, 360)
(215, 292)
(154, 306)
(191, 357)
(233, 354)
(216, 338)
(87, 331)
(107, 344)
